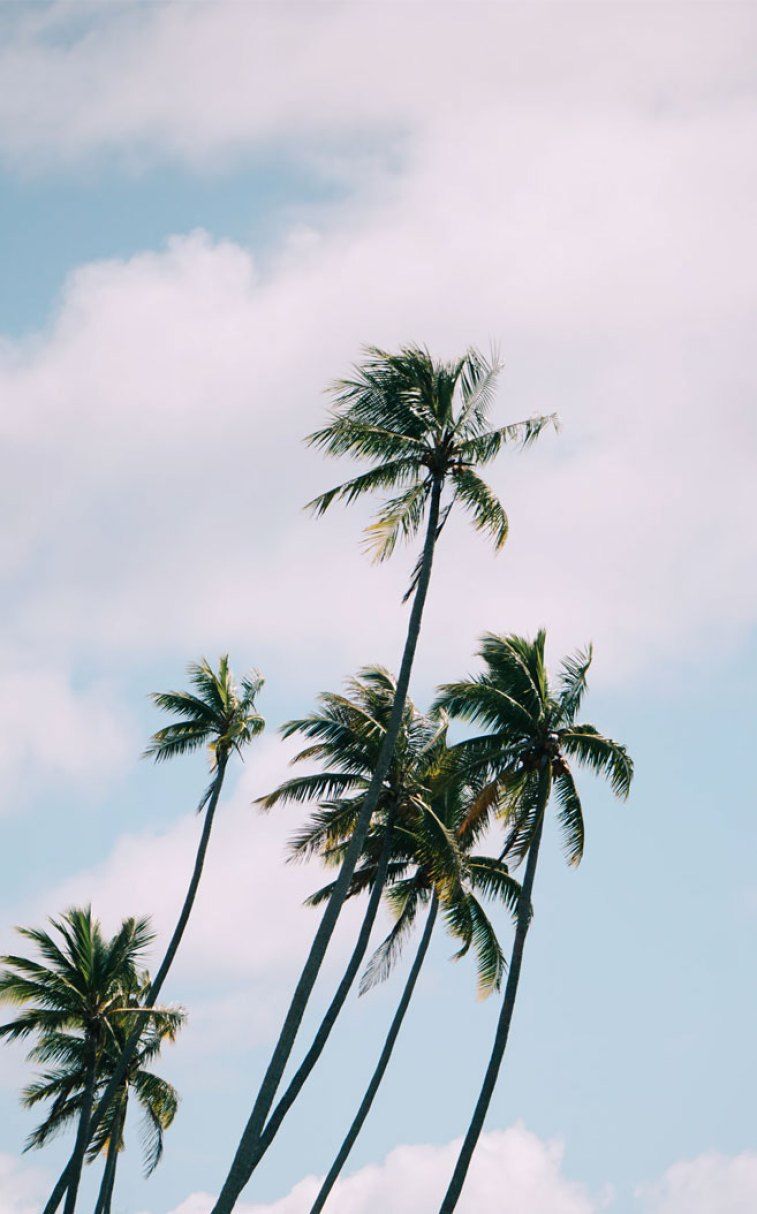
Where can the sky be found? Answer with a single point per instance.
(208, 209)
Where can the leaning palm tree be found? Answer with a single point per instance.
(63, 1085)
(532, 737)
(221, 716)
(345, 734)
(75, 988)
(423, 426)
(444, 874)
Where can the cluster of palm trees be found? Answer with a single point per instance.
(396, 810)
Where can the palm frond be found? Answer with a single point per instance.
(482, 448)
(604, 756)
(399, 519)
(405, 902)
(485, 508)
(570, 816)
(571, 682)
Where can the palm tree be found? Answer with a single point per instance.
(75, 988)
(423, 426)
(532, 737)
(64, 1085)
(447, 876)
(222, 717)
(345, 735)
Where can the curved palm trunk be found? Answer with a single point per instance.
(101, 1205)
(63, 1182)
(300, 1076)
(244, 1158)
(105, 1195)
(452, 1195)
(382, 1064)
(83, 1129)
(111, 1187)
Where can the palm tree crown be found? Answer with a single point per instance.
(63, 1083)
(78, 983)
(531, 725)
(345, 734)
(420, 422)
(217, 714)
(78, 988)
(427, 815)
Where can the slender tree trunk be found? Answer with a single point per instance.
(452, 1195)
(111, 1187)
(102, 1196)
(83, 1131)
(382, 1064)
(300, 1076)
(109, 1173)
(243, 1162)
(117, 1077)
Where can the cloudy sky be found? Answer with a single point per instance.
(207, 209)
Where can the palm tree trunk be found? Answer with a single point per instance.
(383, 1062)
(132, 1042)
(102, 1196)
(300, 1076)
(83, 1130)
(111, 1187)
(452, 1195)
(243, 1162)
(109, 1174)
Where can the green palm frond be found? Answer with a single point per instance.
(481, 700)
(571, 683)
(405, 897)
(605, 757)
(516, 665)
(490, 960)
(478, 379)
(483, 448)
(570, 816)
(399, 519)
(482, 504)
(319, 786)
(492, 878)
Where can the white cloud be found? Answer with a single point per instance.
(51, 731)
(202, 79)
(154, 434)
(21, 1187)
(513, 1172)
(710, 1184)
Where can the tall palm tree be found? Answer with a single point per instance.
(450, 877)
(63, 1084)
(345, 734)
(532, 738)
(423, 426)
(221, 716)
(75, 988)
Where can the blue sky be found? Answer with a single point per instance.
(206, 210)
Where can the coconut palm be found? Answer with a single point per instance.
(345, 734)
(423, 426)
(76, 987)
(532, 738)
(221, 716)
(63, 1085)
(449, 876)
